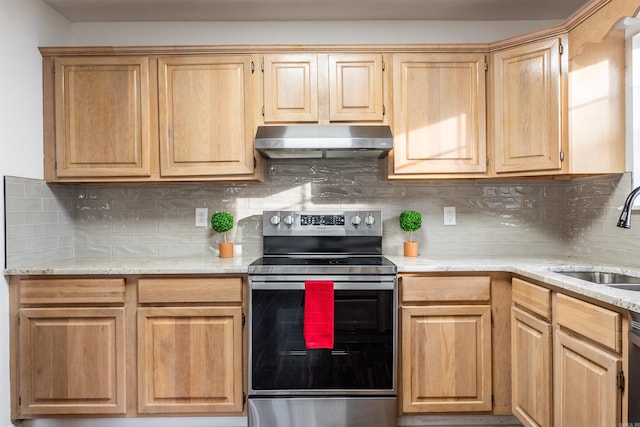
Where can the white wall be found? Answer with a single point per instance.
(24, 25)
(308, 32)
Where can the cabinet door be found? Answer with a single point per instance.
(439, 107)
(290, 88)
(527, 107)
(446, 358)
(102, 117)
(206, 116)
(356, 92)
(72, 361)
(585, 384)
(531, 369)
(190, 359)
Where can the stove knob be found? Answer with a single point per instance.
(288, 220)
(275, 220)
(369, 220)
(356, 220)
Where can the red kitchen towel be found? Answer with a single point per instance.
(318, 313)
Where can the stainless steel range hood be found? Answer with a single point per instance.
(323, 142)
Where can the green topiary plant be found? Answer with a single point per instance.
(221, 222)
(410, 221)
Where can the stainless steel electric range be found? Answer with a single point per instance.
(322, 322)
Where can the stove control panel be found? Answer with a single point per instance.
(320, 220)
(303, 223)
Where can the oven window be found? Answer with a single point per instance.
(362, 357)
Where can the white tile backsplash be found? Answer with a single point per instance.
(494, 217)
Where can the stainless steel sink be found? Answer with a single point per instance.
(608, 278)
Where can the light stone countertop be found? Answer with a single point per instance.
(210, 264)
(535, 268)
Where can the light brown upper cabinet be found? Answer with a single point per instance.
(356, 87)
(439, 107)
(102, 124)
(527, 107)
(596, 87)
(322, 88)
(206, 115)
(559, 100)
(115, 118)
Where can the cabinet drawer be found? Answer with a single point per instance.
(72, 291)
(533, 298)
(447, 288)
(599, 324)
(170, 290)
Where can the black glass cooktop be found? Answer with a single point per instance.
(341, 264)
(355, 260)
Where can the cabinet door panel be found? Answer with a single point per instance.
(72, 361)
(356, 87)
(531, 369)
(446, 358)
(439, 113)
(586, 392)
(190, 359)
(206, 125)
(291, 88)
(527, 115)
(102, 117)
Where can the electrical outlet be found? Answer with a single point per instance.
(202, 217)
(449, 215)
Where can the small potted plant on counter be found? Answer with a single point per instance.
(221, 222)
(410, 221)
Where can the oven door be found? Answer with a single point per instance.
(363, 359)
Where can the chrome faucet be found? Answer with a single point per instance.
(625, 216)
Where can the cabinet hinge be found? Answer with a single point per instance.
(255, 162)
(486, 64)
(383, 65)
(561, 47)
(19, 400)
(18, 320)
(384, 110)
(253, 67)
(620, 381)
(263, 111)
(561, 156)
(244, 320)
(262, 66)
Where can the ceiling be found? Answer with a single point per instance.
(316, 10)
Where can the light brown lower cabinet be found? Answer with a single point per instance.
(72, 361)
(127, 347)
(190, 357)
(531, 369)
(531, 354)
(446, 358)
(586, 391)
(566, 361)
(446, 349)
(587, 364)
(68, 346)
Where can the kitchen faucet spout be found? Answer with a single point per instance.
(625, 216)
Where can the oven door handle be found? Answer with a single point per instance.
(358, 286)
